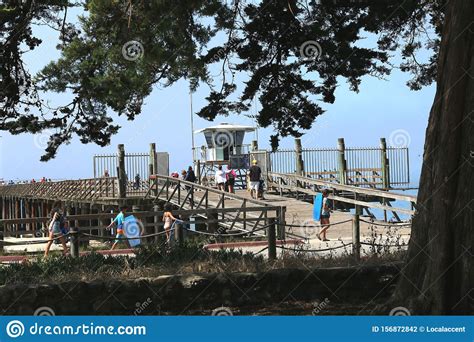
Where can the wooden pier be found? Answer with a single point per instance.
(90, 204)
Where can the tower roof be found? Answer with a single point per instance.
(226, 127)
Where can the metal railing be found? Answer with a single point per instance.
(363, 167)
(204, 153)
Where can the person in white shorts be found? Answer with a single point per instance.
(255, 173)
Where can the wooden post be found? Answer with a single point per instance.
(179, 232)
(356, 237)
(197, 168)
(299, 157)
(271, 236)
(384, 167)
(74, 232)
(156, 220)
(385, 164)
(342, 166)
(2, 234)
(212, 222)
(152, 160)
(122, 176)
(281, 223)
(103, 223)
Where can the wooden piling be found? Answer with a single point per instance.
(74, 233)
(2, 234)
(152, 160)
(385, 172)
(122, 176)
(281, 223)
(299, 157)
(271, 237)
(356, 237)
(179, 231)
(341, 161)
(212, 224)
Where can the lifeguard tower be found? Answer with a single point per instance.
(224, 146)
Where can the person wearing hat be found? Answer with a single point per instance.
(255, 173)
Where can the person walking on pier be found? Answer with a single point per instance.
(190, 177)
(168, 219)
(255, 173)
(325, 214)
(220, 178)
(230, 175)
(119, 221)
(136, 185)
(54, 228)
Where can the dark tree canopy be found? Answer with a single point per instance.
(292, 53)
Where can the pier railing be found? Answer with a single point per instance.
(81, 189)
(290, 184)
(382, 167)
(192, 196)
(149, 228)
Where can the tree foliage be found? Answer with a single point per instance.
(292, 53)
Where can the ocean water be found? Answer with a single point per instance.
(397, 204)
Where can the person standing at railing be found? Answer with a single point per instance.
(325, 214)
(54, 228)
(168, 219)
(220, 178)
(119, 221)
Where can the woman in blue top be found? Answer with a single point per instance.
(119, 221)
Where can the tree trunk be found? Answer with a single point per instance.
(438, 277)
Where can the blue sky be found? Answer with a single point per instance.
(378, 110)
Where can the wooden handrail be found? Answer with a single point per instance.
(349, 188)
(205, 188)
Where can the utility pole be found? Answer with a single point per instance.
(192, 122)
